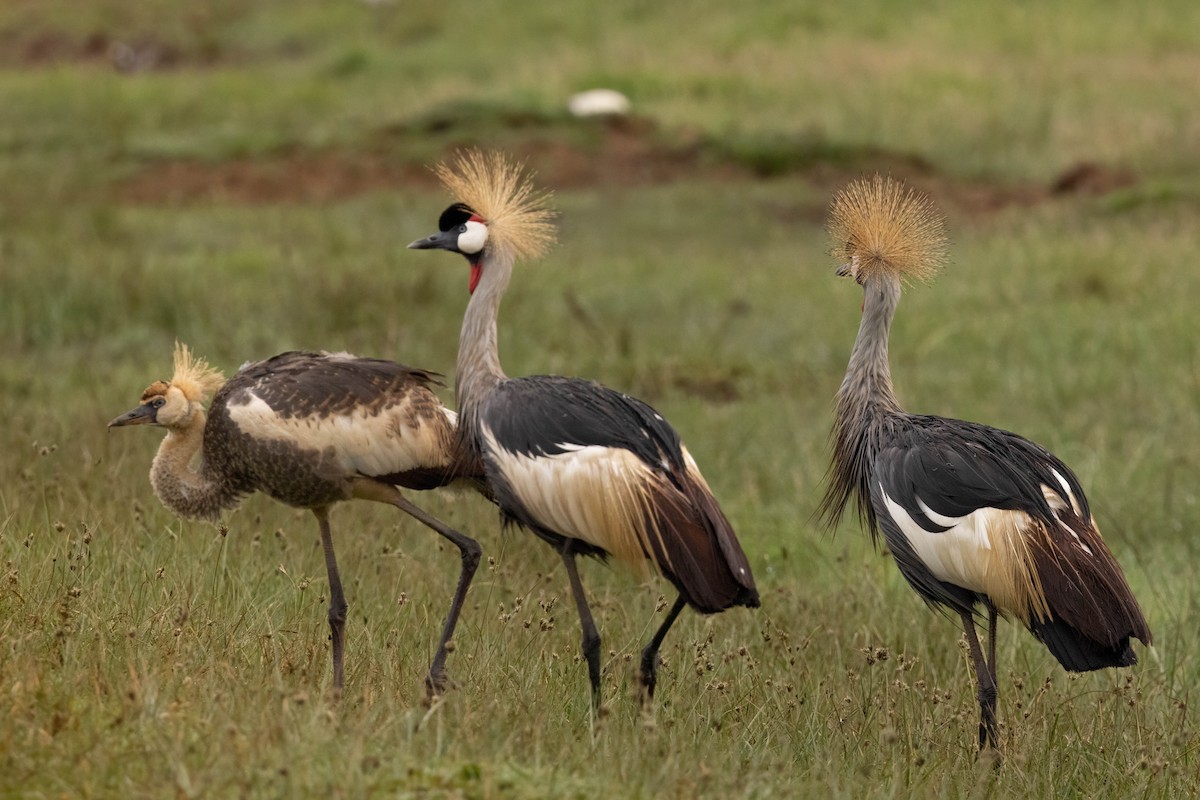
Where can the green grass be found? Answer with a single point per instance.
(142, 657)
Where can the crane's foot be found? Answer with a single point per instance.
(989, 740)
(990, 756)
(647, 679)
(436, 685)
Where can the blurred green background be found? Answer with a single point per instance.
(244, 177)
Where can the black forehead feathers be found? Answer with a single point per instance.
(455, 215)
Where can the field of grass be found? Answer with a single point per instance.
(244, 177)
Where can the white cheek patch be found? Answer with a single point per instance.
(473, 239)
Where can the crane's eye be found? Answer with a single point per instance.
(472, 236)
(159, 402)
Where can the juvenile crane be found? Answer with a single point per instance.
(590, 470)
(310, 430)
(972, 515)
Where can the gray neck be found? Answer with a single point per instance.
(868, 381)
(188, 492)
(864, 403)
(478, 348)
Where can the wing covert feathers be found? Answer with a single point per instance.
(991, 513)
(584, 462)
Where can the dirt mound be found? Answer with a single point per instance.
(298, 177)
(620, 152)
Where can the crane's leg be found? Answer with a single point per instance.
(469, 550)
(987, 686)
(992, 642)
(649, 672)
(337, 602)
(471, 553)
(591, 637)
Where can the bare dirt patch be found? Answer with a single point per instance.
(615, 153)
(102, 50)
(298, 177)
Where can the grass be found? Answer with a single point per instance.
(142, 656)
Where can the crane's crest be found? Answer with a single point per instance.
(518, 216)
(193, 376)
(884, 228)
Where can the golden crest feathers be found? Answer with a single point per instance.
(193, 376)
(883, 227)
(518, 216)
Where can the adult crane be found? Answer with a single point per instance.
(590, 470)
(972, 515)
(309, 429)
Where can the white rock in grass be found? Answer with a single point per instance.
(599, 103)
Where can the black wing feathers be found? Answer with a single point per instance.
(959, 467)
(535, 416)
(956, 468)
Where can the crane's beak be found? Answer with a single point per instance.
(142, 415)
(445, 240)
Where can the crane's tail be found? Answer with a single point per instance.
(1093, 613)
(694, 547)
(1078, 652)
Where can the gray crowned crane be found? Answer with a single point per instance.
(310, 430)
(972, 515)
(590, 470)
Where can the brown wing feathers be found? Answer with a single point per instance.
(697, 550)
(1093, 611)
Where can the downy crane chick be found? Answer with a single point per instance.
(972, 515)
(310, 430)
(590, 470)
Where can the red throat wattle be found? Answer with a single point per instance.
(476, 274)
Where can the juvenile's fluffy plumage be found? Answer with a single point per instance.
(193, 376)
(310, 430)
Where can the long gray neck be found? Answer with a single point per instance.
(479, 369)
(188, 492)
(868, 381)
(865, 401)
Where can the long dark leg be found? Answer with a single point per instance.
(649, 673)
(992, 642)
(987, 686)
(337, 602)
(591, 637)
(469, 549)
(471, 552)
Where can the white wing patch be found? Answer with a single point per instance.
(985, 551)
(1055, 500)
(601, 495)
(361, 443)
